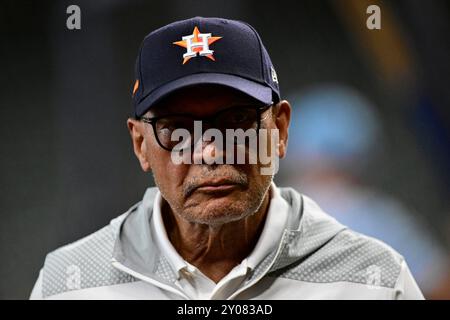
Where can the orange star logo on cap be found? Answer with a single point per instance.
(197, 44)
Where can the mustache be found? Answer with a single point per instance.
(229, 175)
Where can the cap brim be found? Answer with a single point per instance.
(260, 92)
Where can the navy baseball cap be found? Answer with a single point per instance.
(203, 51)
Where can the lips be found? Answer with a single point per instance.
(216, 186)
(216, 183)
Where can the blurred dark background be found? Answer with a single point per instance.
(67, 166)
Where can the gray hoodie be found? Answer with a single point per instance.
(316, 258)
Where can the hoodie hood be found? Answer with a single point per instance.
(309, 228)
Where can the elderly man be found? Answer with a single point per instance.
(216, 226)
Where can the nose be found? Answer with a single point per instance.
(209, 149)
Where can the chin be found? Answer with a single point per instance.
(217, 212)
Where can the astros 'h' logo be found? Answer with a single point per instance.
(197, 43)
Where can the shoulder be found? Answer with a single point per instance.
(327, 251)
(349, 257)
(85, 263)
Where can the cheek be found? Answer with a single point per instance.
(168, 176)
(165, 171)
(269, 143)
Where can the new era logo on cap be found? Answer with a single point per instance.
(203, 51)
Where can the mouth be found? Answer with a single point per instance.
(217, 187)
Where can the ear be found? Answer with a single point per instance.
(282, 120)
(137, 132)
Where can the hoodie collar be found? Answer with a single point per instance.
(274, 225)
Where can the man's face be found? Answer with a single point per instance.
(201, 193)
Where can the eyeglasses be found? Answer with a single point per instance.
(237, 117)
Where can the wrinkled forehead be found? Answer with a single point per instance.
(201, 100)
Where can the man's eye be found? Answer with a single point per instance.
(166, 129)
(239, 117)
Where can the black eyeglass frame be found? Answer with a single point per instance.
(210, 119)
